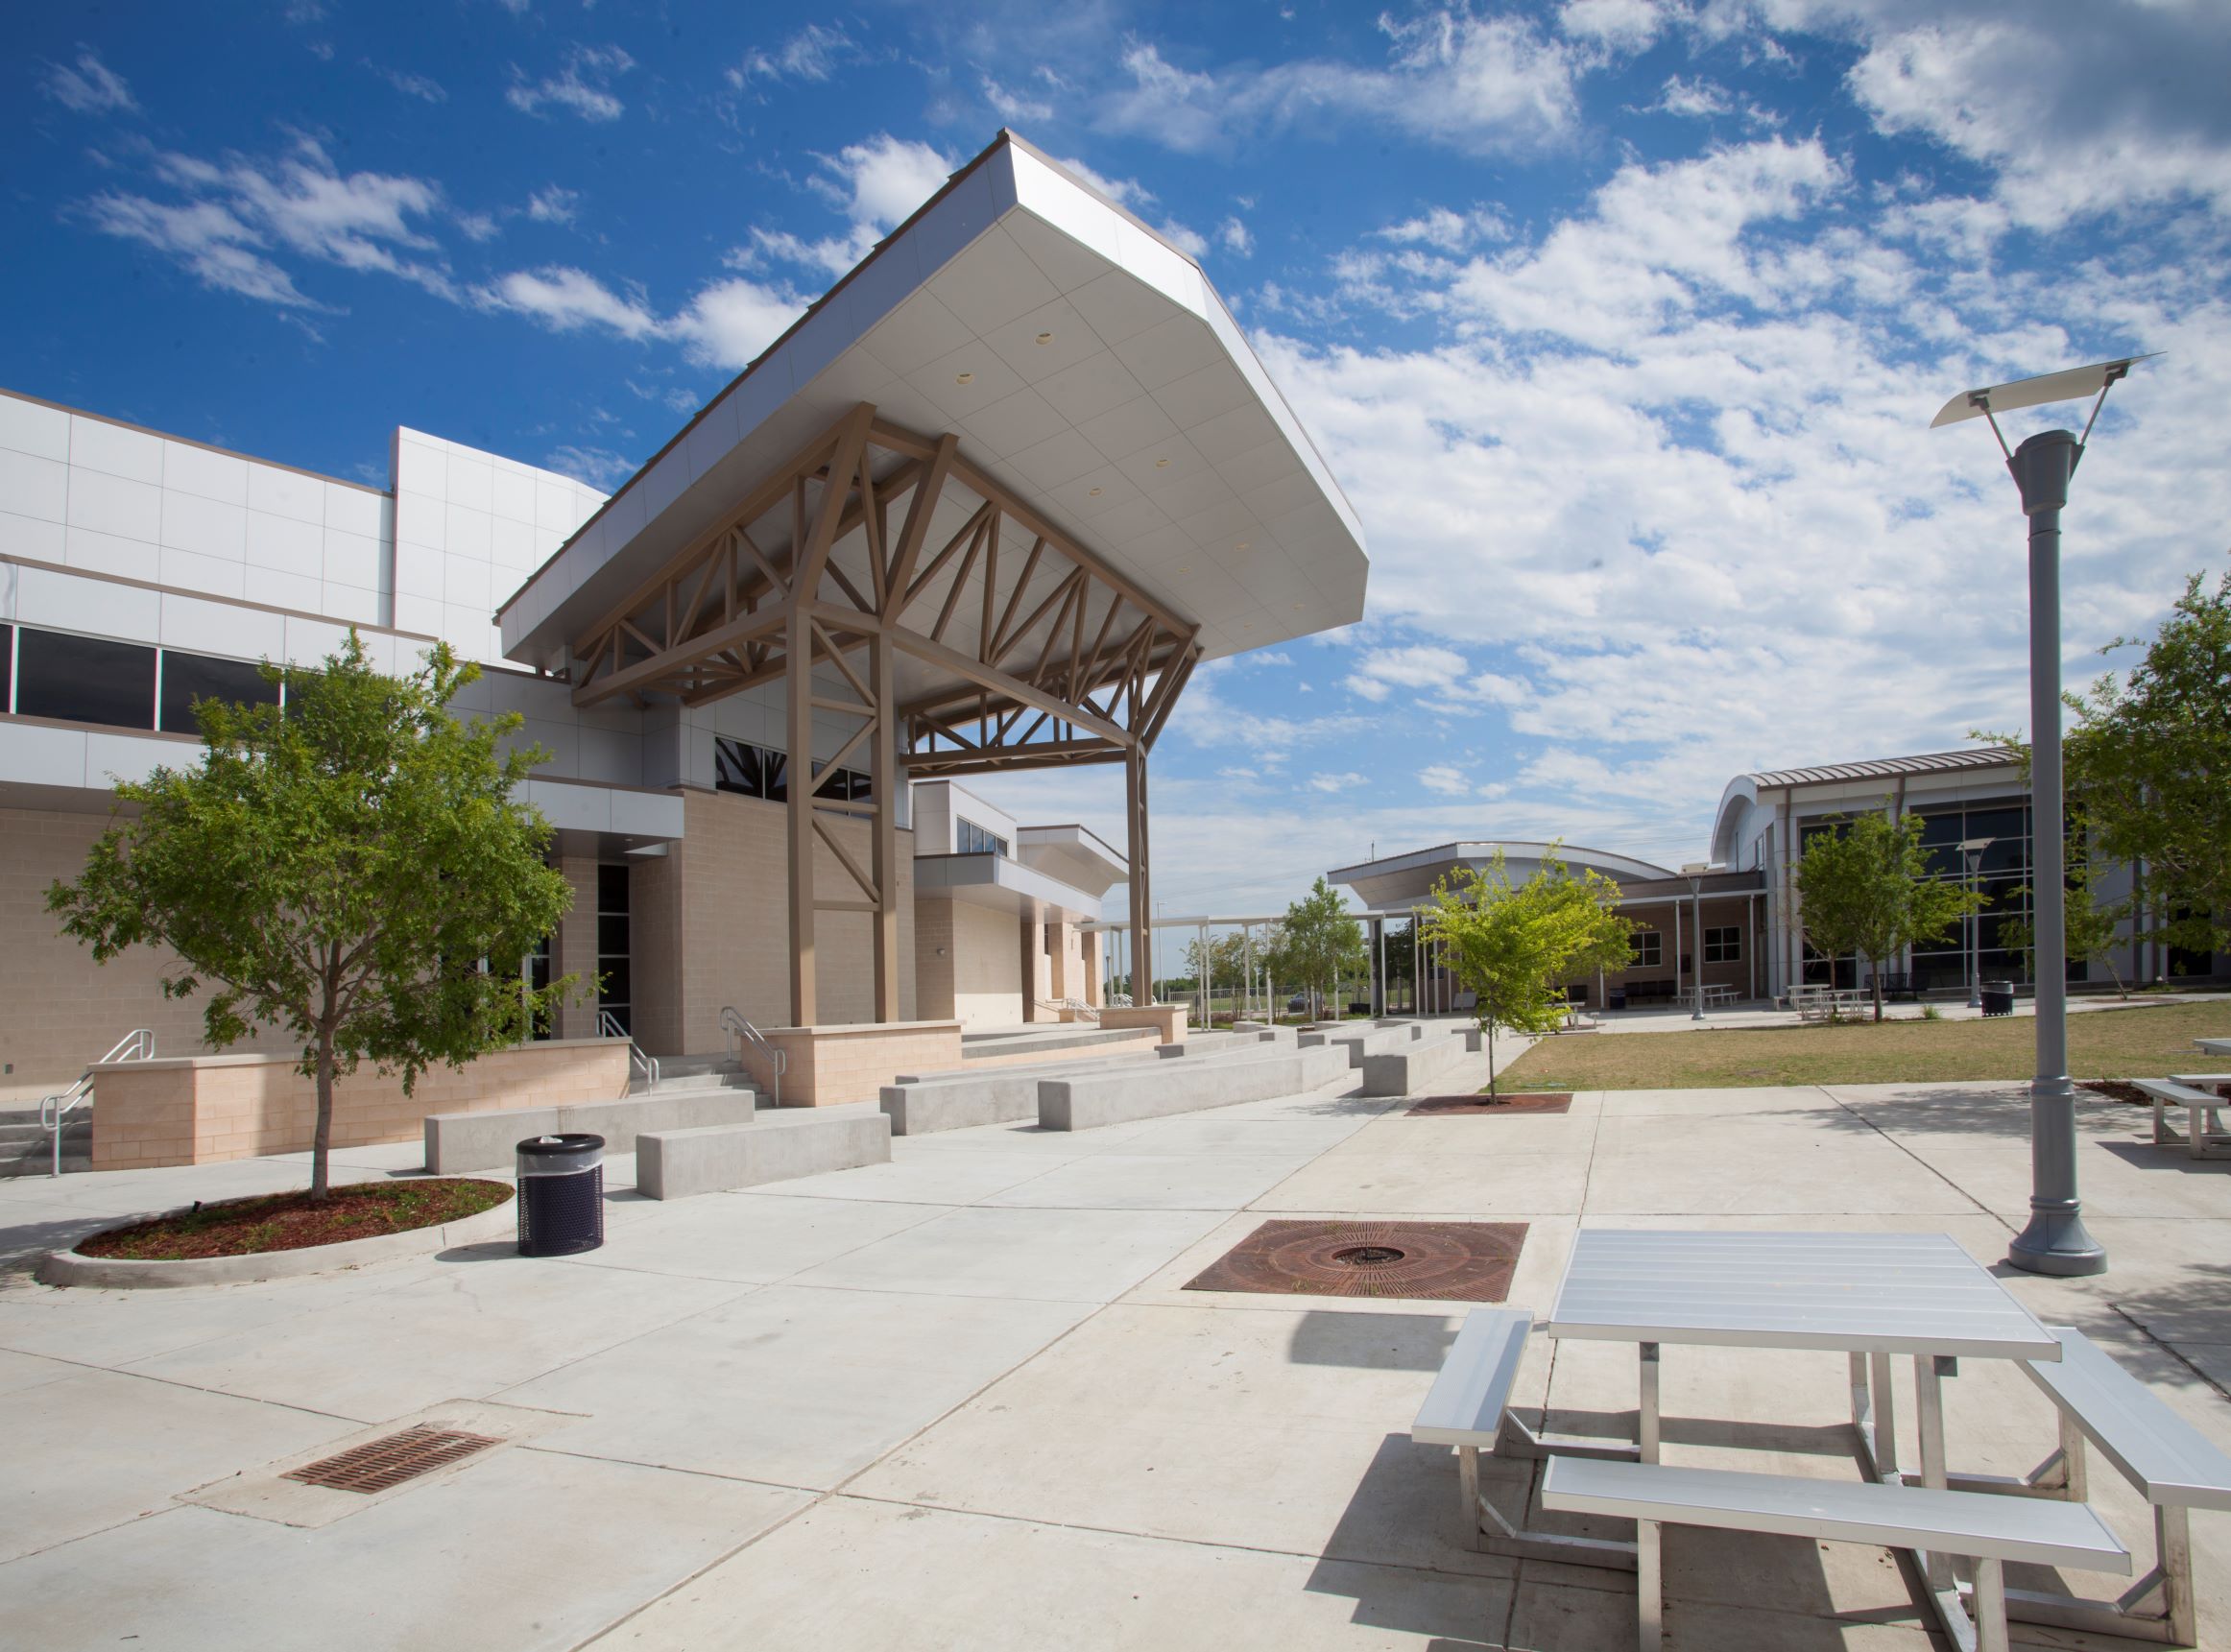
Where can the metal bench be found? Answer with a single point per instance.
(2203, 1135)
(2173, 1466)
(1468, 1407)
(1989, 1530)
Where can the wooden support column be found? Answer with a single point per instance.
(1141, 892)
(883, 687)
(798, 708)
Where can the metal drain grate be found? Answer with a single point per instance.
(381, 1464)
(1445, 1261)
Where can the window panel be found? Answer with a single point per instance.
(749, 770)
(1723, 946)
(85, 680)
(7, 667)
(1649, 951)
(190, 677)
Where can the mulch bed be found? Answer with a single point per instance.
(1510, 1101)
(1438, 1261)
(290, 1222)
(2116, 1089)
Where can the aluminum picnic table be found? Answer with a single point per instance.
(1868, 1296)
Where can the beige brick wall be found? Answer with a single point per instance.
(832, 1064)
(933, 959)
(59, 1010)
(987, 965)
(196, 1109)
(712, 926)
(574, 950)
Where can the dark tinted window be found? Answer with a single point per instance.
(7, 667)
(85, 680)
(190, 677)
(754, 771)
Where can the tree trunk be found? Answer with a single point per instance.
(1493, 1097)
(1875, 980)
(322, 1143)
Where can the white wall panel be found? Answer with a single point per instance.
(286, 493)
(275, 542)
(206, 527)
(206, 475)
(98, 608)
(102, 554)
(34, 487)
(114, 504)
(96, 444)
(27, 427)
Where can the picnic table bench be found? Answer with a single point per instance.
(2203, 1135)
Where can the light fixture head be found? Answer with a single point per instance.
(964, 378)
(1044, 339)
(1162, 465)
(1091, 492)
(1698, 868)
(2069, 384)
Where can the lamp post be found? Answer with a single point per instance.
(1972, 851)
(2055, 1241)
(1695, 872)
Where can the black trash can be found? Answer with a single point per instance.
(561, 1194)
(1617, 998)
(1998, 997)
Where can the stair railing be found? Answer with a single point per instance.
(54, 1111)
(608, 1025)
(1073, 1006)
(741, 1035)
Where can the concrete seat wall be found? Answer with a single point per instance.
(1409, 1069)
(457, 1142)
(778, 1147)
(1090, 1100)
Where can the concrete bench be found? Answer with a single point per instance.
(921, 1105)
(2203, 1135)
(1090, 1100)
(778, 1147)
(1376, 1041)
(457, 1142)
(1988, 1530)
(2172, 1465)
(1407, 1071)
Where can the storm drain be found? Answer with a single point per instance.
(1443, 1261)
(1532, 1101)
(378, 1465)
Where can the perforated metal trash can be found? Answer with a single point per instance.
(1998, 997)
(561, 1194)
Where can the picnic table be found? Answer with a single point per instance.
(2215, 1046)
(1870, 1297)
(1720, 994)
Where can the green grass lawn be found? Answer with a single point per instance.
(2145, 1043)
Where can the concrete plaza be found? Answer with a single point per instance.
(962, 1400)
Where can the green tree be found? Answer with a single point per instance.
(1219, 962)
(2149, 768)
(1317, 942)
(1515, 946)
(2094, 927)
(354, 871)
(1863, 886)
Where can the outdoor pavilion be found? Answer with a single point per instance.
(984, 507)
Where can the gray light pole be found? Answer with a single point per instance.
(2055, 1241)
(1695, 872)
(1972, 851)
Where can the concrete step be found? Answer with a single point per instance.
(697, 1065)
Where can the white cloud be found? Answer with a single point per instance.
(1496, 82)
(812, 54)
(599, 466)
(478, 225)
(730, 322)
(553, 205)
(1341, 782)
(1236, 237)
(1426, 670)
(1630, 25)
(1013, 105)
(1268, 657)
(90, 89)
(1698, 98)
(237, 213)
(582, 87)
(727, 323)
(567, 299)
(423, 87)
(1442, 778)
(875, 184)
(1450, 230)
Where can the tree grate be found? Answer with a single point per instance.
(378, 1465)
(1478, 1106)
(1443, 1261)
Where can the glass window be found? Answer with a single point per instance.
(190, 677)
(538, 979)
(1724, 946)
(7, 667)
(85, 680)
(1649, 951)
(613, 943)
(749, 770)
(970, 838)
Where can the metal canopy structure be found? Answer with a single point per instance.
(987, 503)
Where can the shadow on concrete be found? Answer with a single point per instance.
(1394, 1554)
(23, 1245)
(1373, 1341)
(2167, 1156)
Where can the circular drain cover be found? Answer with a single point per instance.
(1452, 1261)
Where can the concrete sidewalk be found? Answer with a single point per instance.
(964, 1399)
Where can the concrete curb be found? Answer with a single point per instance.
(117, 1273)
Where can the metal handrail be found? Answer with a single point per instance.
(608, 1025)
(54, 1111)
(740, 1033)
(1077, 1006)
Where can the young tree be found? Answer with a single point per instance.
(1863, 886)
(352, 870)
(2094, 927)
(2148, 768)
(1218, 963)
(1317, 939)
(1516, 947)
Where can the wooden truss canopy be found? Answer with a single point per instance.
(954, 657)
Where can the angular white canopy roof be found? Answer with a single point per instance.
(1085, 365)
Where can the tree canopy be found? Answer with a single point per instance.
(351, 869)
(1317, 943)
(1516, 947)
(1864, 887)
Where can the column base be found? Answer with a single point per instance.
(2055, 1242)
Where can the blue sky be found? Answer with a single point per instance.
(1620, 320)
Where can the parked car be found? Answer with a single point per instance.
(1298, 1004)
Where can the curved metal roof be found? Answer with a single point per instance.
(1883, 768)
